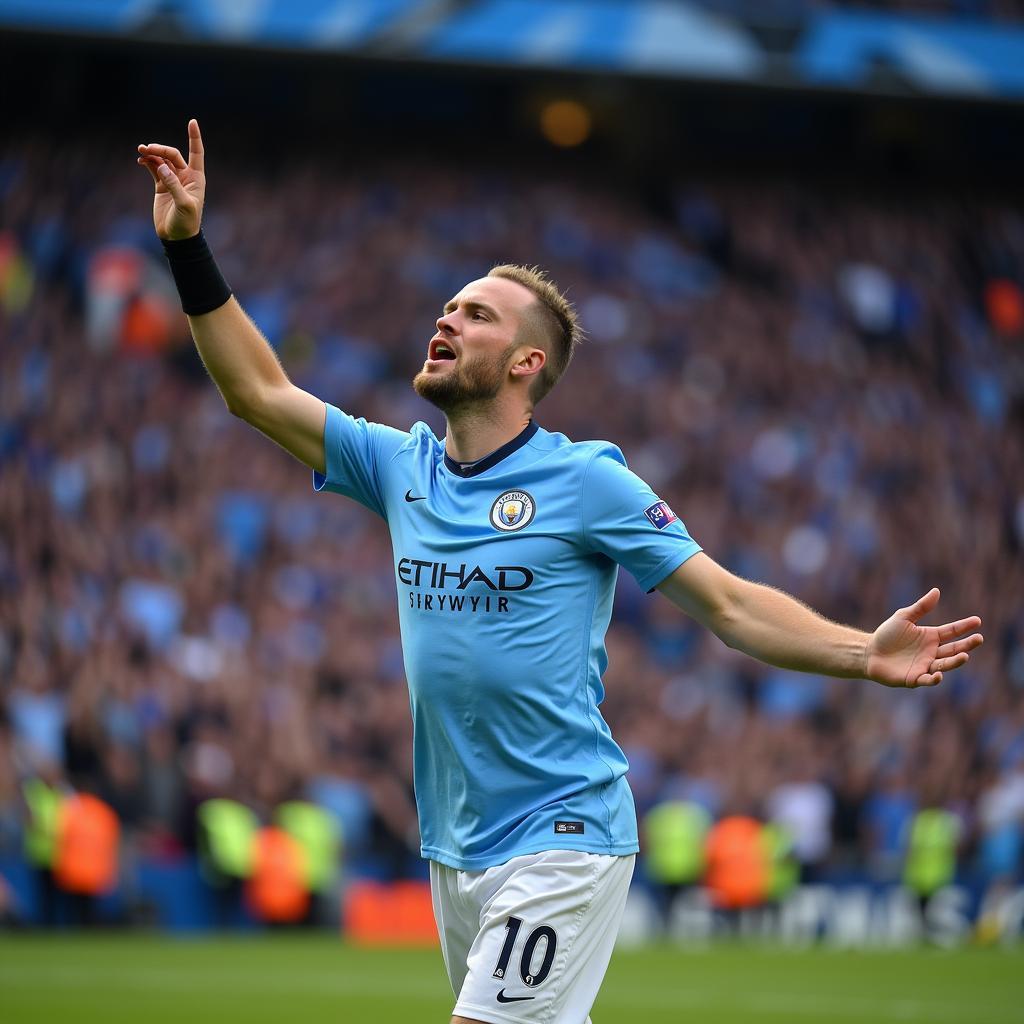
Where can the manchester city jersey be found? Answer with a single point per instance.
(505, 572)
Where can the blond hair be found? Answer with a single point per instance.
(556, 320)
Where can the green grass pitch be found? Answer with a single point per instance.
(117, 979)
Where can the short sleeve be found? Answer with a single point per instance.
(625, 520)
(355, 455)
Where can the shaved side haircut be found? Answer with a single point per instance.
(554, 320)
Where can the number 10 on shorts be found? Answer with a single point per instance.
(526, 972)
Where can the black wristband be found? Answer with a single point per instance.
(201, 286)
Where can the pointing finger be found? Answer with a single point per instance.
(169, 153)
(196, 155)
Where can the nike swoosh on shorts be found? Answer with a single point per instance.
(502, 998)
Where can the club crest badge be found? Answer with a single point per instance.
(512, 511)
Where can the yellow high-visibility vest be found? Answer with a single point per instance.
(675, 832)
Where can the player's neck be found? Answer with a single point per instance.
(475, 433)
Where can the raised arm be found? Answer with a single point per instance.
(237, 356)
(775, 628)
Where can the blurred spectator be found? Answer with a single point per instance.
(1001, 818)
(162, 795)
(848, 839)
(674, 835)
(37, 711)
(11, 816)
(803, 807)
(887, 817)
(935, 835)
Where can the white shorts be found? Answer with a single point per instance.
(528, 942)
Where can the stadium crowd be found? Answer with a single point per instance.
(826, 385)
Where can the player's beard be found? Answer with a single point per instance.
(475, 382)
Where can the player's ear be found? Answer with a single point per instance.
(529, 362)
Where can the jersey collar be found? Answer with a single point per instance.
(467, 469)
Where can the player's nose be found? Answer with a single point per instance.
(445, 323)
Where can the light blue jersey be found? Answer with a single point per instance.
(505, 572)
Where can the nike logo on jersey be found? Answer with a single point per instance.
(409, 496)
(502, 998)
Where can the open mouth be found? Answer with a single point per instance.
(440, 351)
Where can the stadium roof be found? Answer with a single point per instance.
(844, 49)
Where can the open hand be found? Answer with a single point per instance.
(902, 653)
(180, 186)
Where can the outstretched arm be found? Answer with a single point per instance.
(237, 356)
(776, 628)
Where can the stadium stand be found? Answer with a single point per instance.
(826, 384)
(941, 47)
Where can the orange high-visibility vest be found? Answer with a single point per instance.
(276, 890)
(738, 870)
(87, 836)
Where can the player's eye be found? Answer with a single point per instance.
(479, 316)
